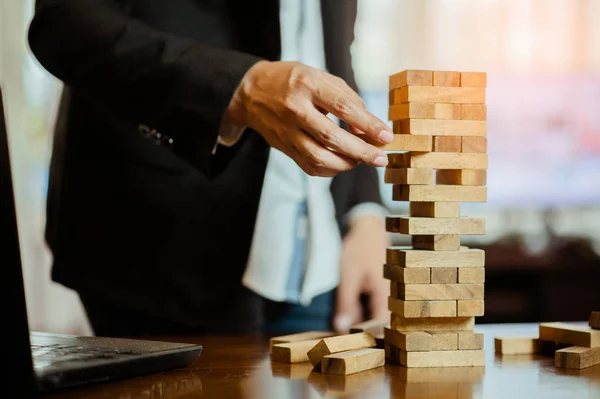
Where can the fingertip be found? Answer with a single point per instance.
(380, 161)
(385, 136)
(342, 322)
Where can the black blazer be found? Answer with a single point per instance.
(159, 230)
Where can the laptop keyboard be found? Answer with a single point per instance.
(49, 355)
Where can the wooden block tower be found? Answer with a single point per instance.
(439, 120)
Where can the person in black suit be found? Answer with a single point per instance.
(145, 221)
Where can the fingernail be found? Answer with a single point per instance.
(385, 136)
(380, 161)
(342, 322)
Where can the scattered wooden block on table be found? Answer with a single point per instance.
(461, 177)
(471, 275)
(444, 340)
(435, 209)
(473, 144)
(439, 160)
(569, 334)
(411, 77)
(465, 257)
(428, 226)
(595, 320)
(302, 336)
(473, 79)
(432, 323)
(401, 192)
(440, 127)
(437, 242)
(474, 112)
(577, 357)
(458, 358)
(439, 292)
(432, 94)
(340, 343)
(408, 176)
(443, 275)
(292, 352)
(412, 111)
(409, 340)
(517, 345)
(469, 340)
(470, 307)
(419, 309)
(404, 142)
(443, 143)
(353, 361)
(446, 78)
(406, 275)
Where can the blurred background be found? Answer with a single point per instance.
(543, 215)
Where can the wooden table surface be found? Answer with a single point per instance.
(239, 367)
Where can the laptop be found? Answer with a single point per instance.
(47, 362)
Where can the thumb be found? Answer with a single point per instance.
(348, 307)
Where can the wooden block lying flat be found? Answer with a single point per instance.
(469, 340)
(470, 307)
(446, 78)
(452, 95)
(466, 257)
(417, 309)
(439, 160)
(404, 142)
(440, 127)
(408, 340)
(595, 320)
(427, 226)
(517, 345)
(444, 340)
(464, 177)
(340, 343)
(458, 358)
(568, 334)
(401, 192)
(471, 275)
(372, 326)
(445, 242)
(439, 292)
(577, 357)
(444, 275)
(443, 143)
(408, 176)
(303, 336)
(432, 323)
(292, 352)
(411, 77)
(473, 79)
(412, 111)
(435, 209)
(406, 275)
(473, 112)
(353, 361)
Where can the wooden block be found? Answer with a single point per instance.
(426, 226)
(406, 275)
(463, 177)
(444, 242)
(439, 160)
(432, 94)
(469, 340)
(353, 361)
(595, 320)
(408, 340)
(439, 292)
(412, 111)
(393, 289)
(470, 307)
(473, 79)
(303, 336)
(443, 275)
(517, 345)
(454, 193)
(340, 343)
(458, 358)
(460, 375)
(443, 143)
(447, 111)
(404, 142)
(430, 324)
(373, 326)
(411, 77)
(435, 209)
(416, 309)
(474, 144)
(569, 334)
(577, 357)
(292, 352)
(408, 176)
(444, 340)
(440, 127)
(408, 258)
(446, 78)
(473, 112)
(471, 275)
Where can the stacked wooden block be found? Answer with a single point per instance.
(437, 286)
